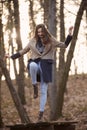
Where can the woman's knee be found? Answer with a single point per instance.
(44, 91)
(33, 65)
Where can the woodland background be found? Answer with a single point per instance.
(67, 96)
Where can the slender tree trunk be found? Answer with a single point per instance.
(62, 36)
(1, 54)
(20, 76)
(1, 121)
(86, 24)
(21, 111)
(31, 17)
(57, 77)
(52, 29)
(46, 12)
(63, 80)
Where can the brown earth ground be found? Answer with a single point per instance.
(75, 102)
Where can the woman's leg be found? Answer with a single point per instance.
(43, 95)
(43, 99)
(33, 69)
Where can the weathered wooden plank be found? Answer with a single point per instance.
(34, 126)
(64, 127)
(63, 122)
(45, 126)
(5, 128)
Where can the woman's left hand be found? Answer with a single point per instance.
(71, 30)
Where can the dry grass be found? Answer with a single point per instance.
(75, 101)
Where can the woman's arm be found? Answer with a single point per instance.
(15, 56)
(18, 54)
(67, 41)
(69, 37)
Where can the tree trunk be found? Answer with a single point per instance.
(62, 37)
(46, 12)
(86, 24)
(61, 54)
(31, 20)
(21, 111)
(1, 53)
(52, 29)
(64, 77)
(20, 76)
(1, 121)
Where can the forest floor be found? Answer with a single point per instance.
(74, 108)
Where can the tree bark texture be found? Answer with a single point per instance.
(65, 73)
(21, 111)
(1, 53)
(20, 76)
(52, 28)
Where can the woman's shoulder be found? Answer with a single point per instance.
(53, 40)
(32, 40)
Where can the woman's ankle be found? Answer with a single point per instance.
(40, 115)
(35, 86)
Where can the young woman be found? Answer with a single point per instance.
(42, 47)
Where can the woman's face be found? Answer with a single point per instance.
(40, 33)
